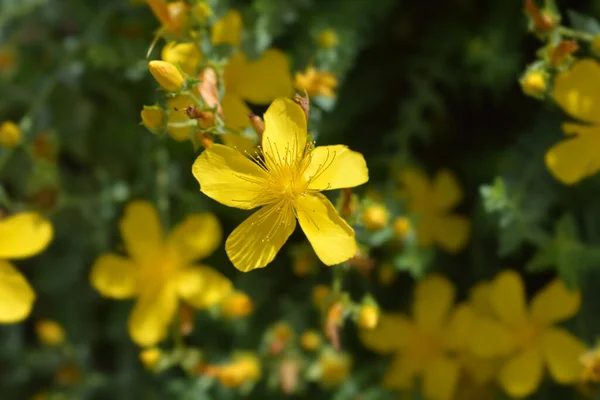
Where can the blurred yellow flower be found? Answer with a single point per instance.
(432, 202)
(150, 357)
(311, 340)
(186, 55)
(228, 29)
(153, 118)
(236, 305)
(10, 135)
(334, 367)
(328, 38)
(424, 346)
(285, 182)
(367, 316)
(22, 235)
(171, 15)
(577, 91)
(530, 338)
(244, 368)
(49, 332)
(161, 270)
(375, 217)
(316, 82)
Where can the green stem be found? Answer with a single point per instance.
(586, 37)
(339, 271)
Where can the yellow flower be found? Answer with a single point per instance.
(161, 270)
(10, 135)
(530, 338)
(167, 75)
(228, 29)
(402, 227)
(310, 340)
(244, 368)
(186, 55)
(432, 202)
(577, 91)
(285, 182)
(423, 346)
(315, 82)
(367, 316)
(375, 217)
(334, 367)
(534, 83)
(236, 305)
(150, 357)
(50, 332)
(328, 38)
(172, 16)
(21, 236)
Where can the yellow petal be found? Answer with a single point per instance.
(227, 176)
(238, 142)
(491, 339)
(335, 167)
(284, 139)
(186, 55)
(152, 314)
(114, 276)
(227, 29)
(460, 327)
(24, 235)
(440, 379)
(578, 90)
(142, 233)
(446, 191)
(400, 374)
(575, 158)
(16, 296)
(521, 375)
(433, 300)
(392, 333)
(266, 79)
(562, 352)
(452, 232)
(479, 298)
(427, 226)
(202, 286)
(555, 303)
(235, 111)
(507, 297)
(179, 125)
(417, 188)
(256, 241)
(196, 237)
(330, 236)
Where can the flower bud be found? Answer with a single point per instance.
(150, 357)
(534, 84)
(237, 305)
(402, 227)
(310, 340)
(10, 135)
(334, 367)
(328, 38)
(367, 316)
(167, 75)
(49, 332)
(244, 368)
(375, 218)
(153, 118)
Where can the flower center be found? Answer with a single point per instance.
(426, 346)
(527, 333)
(159, 272)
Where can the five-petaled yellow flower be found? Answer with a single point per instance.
(529, 339)
(161, 270)
(285, 181)
(433, 202)
(21, 235)
(577, 91)
(426, 345)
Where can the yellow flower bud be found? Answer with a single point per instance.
(328, 38)
(150, 357)
(368, 316)
(153, 118)
(244, 368)
(49, 332)
(167, 75)
(387, 274)
(596, 45)
(320, 294)
(375, 218)
(10, 135)
(283, 332)
(237, 305)
(334, 368)
(310, 340)
(401, 227)
(534, 84)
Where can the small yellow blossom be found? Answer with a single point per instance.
(577, 91)
(153, 118)
(171, 15)
(529, 338)
(311, 340)
(22, 235)
(316, 83)
(236, 305)
(50, 332)
(185, 55)
(375, 217)
(424, 346)
(285, 182)
(534, 83)
(402, 227)
(160, 271)
(432, 202)
(328, 38)
(387, 274)
(244, 368)
(150, 357)
(320, 294)
(228, 29)
(167, 75)
(334, 367)
(10, 135)
(367, 316)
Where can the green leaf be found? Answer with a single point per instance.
(584, 23)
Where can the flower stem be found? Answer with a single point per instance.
(586, 37)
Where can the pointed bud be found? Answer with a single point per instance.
(375, 217)
(167, 75)
(209, 90)
(304, 102)
(150, 357)
(10, 135)
(541, 21)
(258, 124)
(367, 316)
(50, 332)
(534, 84)
(153, 118)
(562, 51)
